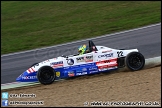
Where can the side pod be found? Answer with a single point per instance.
(121, 62)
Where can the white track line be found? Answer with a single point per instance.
(84, 39)
(9, 83)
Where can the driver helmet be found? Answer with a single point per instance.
(82, 49)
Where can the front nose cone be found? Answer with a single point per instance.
(18, 79)
(27, 77)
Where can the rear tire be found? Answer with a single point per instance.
(46, 75)
(135, 61)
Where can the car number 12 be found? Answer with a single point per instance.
(120, 53)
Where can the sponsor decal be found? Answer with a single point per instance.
(106, 55)
(78, 70)
(107, 61)
(29, 77)
(71, 73)
(92, 68)
(107, 67)
(72, 67)
(112, 65)
(80, 59)
(57, 64)
(67, 67)
(93, 71)
(83, 73)
(70, 61)
(88, 58)
(58, 74)
(84, 69)
(91, 64)
(103, 66)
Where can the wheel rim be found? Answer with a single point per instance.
(135, 61)
(46, 75)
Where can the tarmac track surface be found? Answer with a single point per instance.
(147, 40)
(140, 86)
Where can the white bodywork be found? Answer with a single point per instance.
(103, 53)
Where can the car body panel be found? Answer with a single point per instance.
(104, 59)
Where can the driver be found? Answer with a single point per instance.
(83, 49)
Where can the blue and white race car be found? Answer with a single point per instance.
(98, 59)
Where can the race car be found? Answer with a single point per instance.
(98, 59)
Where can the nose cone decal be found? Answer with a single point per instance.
(27, 77)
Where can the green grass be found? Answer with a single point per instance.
(34, 24)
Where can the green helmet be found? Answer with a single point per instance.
(82, 49)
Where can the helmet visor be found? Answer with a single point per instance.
(79, 51)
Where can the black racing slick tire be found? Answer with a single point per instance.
(135, 61)
(46, 75)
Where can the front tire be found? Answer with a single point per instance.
(46, 75)
(135, 61)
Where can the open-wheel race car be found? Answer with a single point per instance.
(98, 59)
